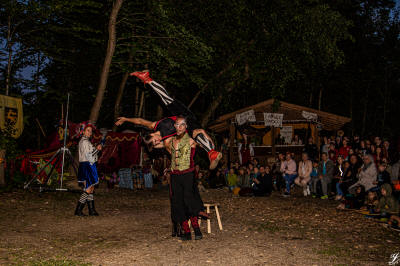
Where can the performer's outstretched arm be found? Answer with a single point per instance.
(137, 121)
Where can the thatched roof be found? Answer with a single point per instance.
(291, 112)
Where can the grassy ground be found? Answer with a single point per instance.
(134, 229)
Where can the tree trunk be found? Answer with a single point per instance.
(351, 110)
(364, 119)
(159, 113)
(141, 104)
(2, 164)
(94, 113)
(137, 101)
(10, 51)
(214, 104)
(320, 98)
(117, 106)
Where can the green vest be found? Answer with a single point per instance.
(181, 160)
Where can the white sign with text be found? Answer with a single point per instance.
(286, 133)
(309, 115)
(244, 117)
(273, 119)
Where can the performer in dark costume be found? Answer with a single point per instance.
(87, 172)
(164, 129)
(186, 203)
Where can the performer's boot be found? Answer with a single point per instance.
(176, 230)
(209, 147)
(90, 203)
(79, 208)
(81, 204)
(197, 233)
(143, 76)
(214, 157)
(186, 231)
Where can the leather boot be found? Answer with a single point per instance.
(143, 76)
(174, 229)
(214, 157)
(79, 208)
(92, 210)
(186, 236)
(197, 234)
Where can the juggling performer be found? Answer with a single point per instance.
(87, 172)
(164, 129)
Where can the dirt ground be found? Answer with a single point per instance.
(134, 229)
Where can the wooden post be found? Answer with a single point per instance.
(231, 140)
(2, 164)
(273, 141)
(137, 102)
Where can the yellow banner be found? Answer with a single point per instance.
(11, 114)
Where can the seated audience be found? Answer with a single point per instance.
(367, 174)
(288, 168)
(325, 170)
(304, 171)
(232, 179)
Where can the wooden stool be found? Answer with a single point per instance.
(215, 205)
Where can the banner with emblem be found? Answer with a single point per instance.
(11, 115)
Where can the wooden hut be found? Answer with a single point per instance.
(297, 120)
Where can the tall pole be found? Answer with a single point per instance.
(65, 143)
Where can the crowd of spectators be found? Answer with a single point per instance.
(358, 173)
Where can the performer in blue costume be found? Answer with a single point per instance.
(87, 172)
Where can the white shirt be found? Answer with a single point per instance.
(87, 152)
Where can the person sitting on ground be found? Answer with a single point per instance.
(218, 181)
(383, 176)
(345, 181)
(288, 168)
(241, 177)
(355, 201)
(253, 175)
(325, 171)
(262, 183)
(232, 179)
(367, 174)
(304, 170)
(245, 189)
(388, 205)
(314, 178)
(278, 175)
(372, 202)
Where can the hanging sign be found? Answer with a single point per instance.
(11, 115)
(286, 133)
(309, 115)
(244, 117)
(273, 119)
